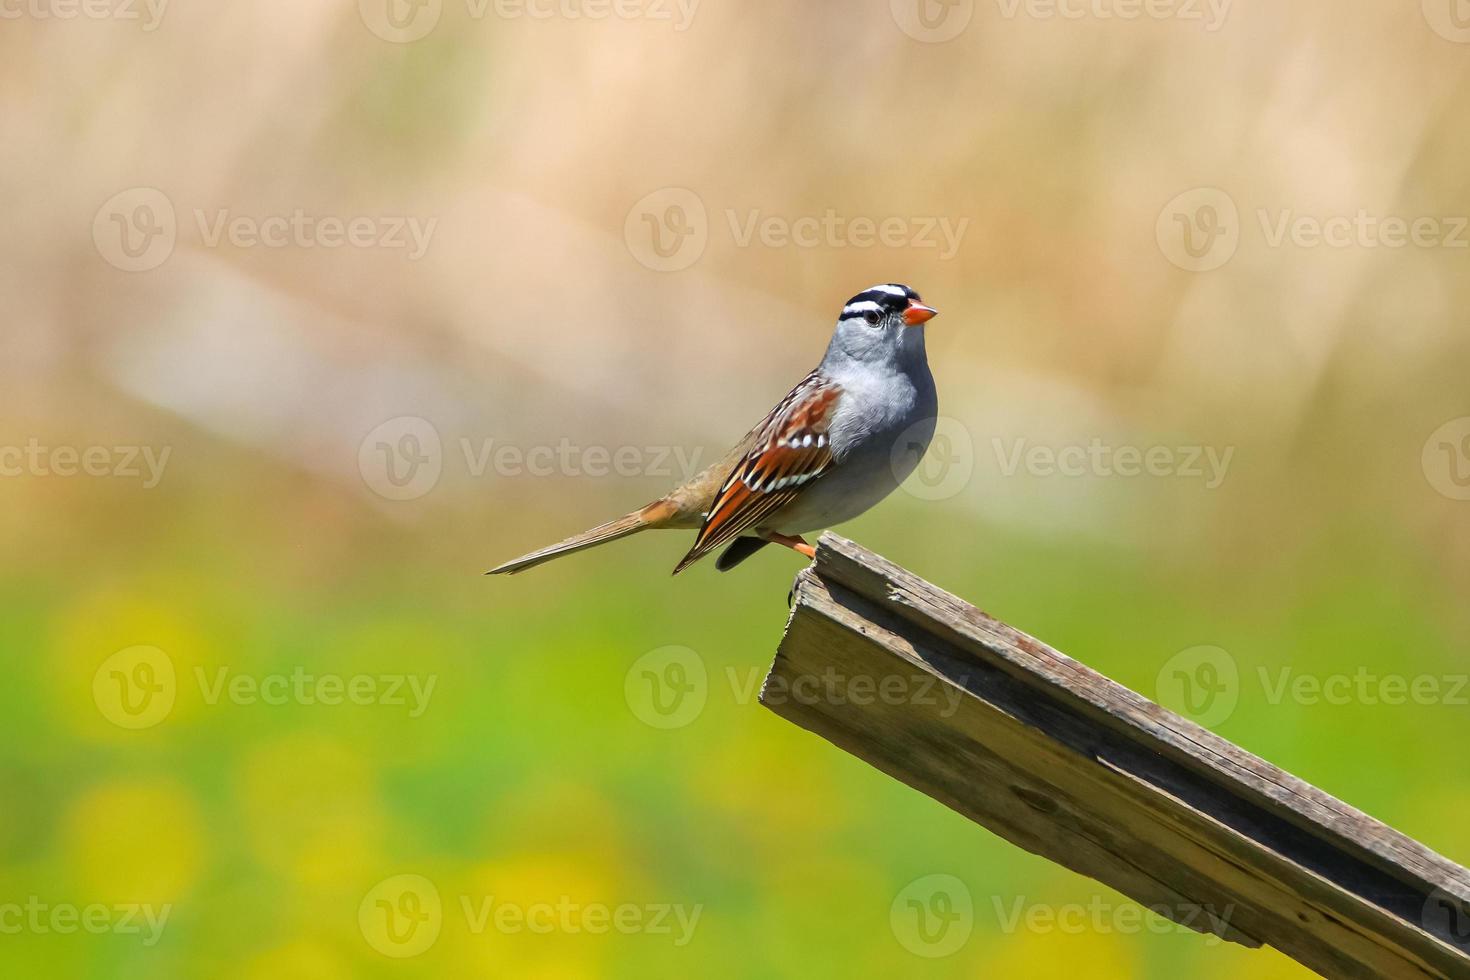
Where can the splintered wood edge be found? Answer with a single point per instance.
(1238, 777)
(1123, 709)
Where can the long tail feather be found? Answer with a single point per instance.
(639, 520)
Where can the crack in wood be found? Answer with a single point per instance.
(1072, 766)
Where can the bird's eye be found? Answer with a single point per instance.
(872, 318)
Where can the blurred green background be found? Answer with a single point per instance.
(637, 230)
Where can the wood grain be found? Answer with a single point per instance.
(1070, 765)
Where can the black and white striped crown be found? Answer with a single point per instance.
(885, 300)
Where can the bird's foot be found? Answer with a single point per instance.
(793, 541)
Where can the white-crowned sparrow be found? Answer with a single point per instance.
(824, 455)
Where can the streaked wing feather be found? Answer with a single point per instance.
(792, 450)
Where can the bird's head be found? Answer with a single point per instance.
(881, 324)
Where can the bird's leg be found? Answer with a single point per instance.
(794, 542)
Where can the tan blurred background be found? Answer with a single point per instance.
(388, 293)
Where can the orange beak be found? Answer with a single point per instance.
(918, 313)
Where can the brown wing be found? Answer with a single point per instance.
(792, 449)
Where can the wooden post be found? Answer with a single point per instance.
(1062, 761)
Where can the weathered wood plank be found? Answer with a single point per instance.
(1070, 765)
